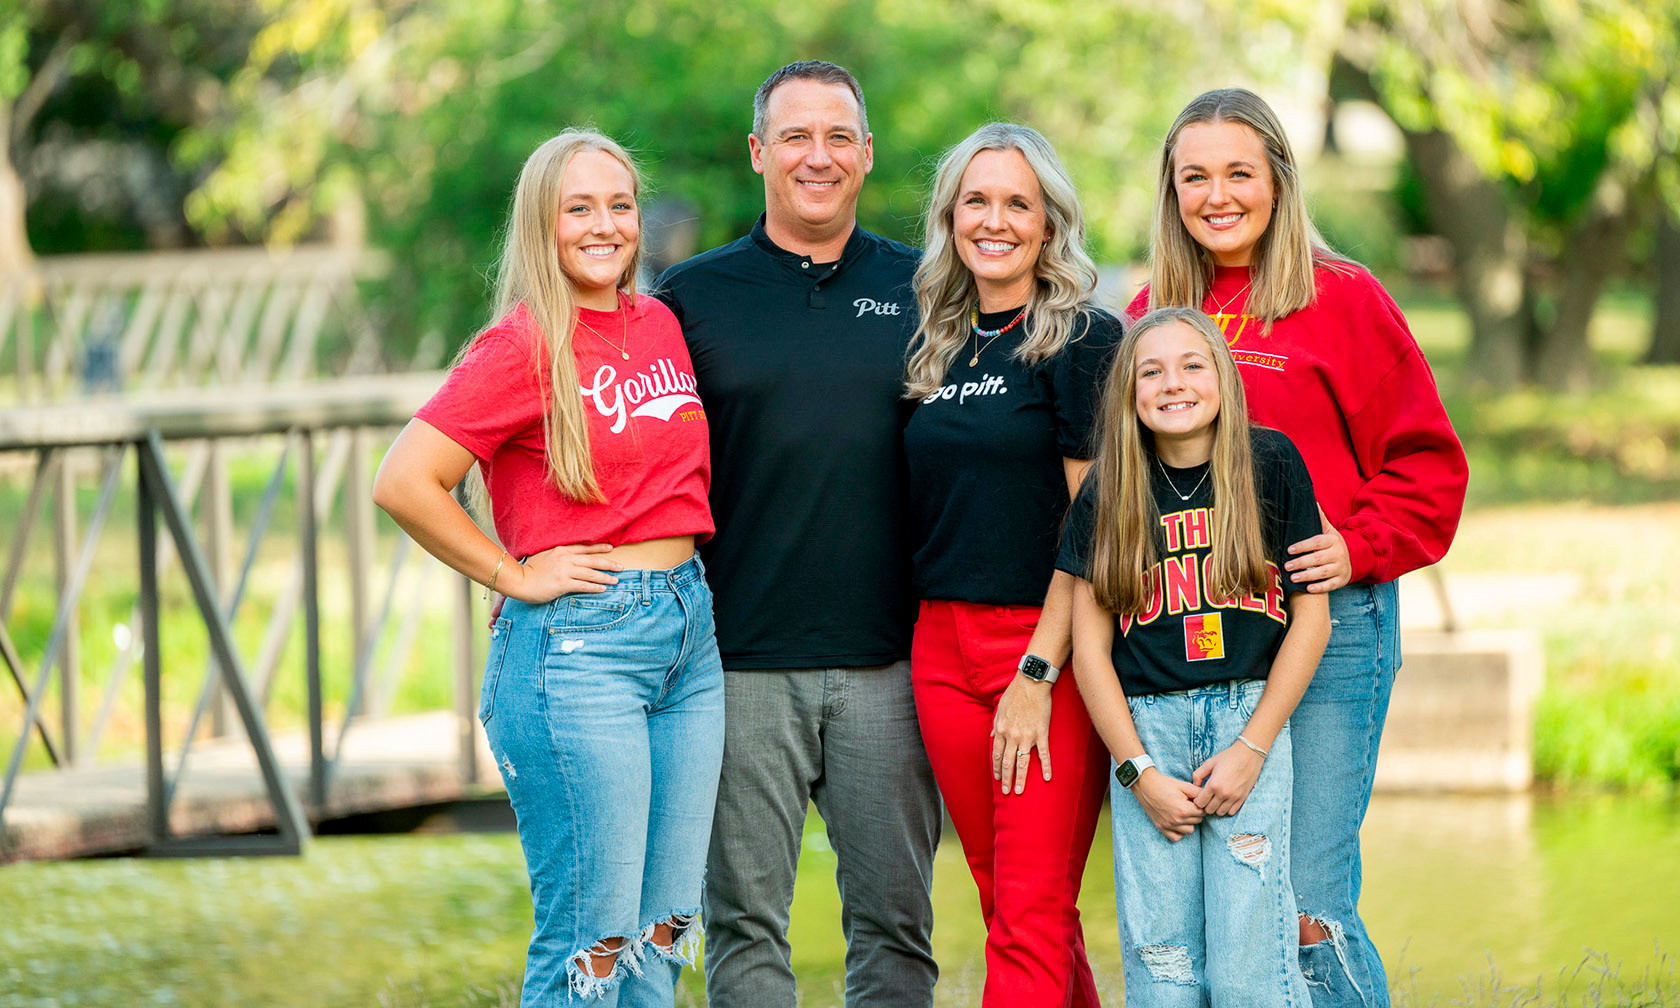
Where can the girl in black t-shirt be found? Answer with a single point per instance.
(1191, 651)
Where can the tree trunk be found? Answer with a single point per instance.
(1559, 356)
(1665, 325)
(1489, 251)
(16, 256)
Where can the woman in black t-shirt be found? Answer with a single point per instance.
(1005, 366)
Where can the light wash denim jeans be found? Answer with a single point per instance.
(605, 713)
(1337, 726)
(1209, 920)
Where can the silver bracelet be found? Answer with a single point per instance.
(1244, 740)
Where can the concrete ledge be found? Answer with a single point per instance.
(1461, 719)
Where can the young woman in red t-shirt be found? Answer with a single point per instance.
(1327, 358)
(603, 694)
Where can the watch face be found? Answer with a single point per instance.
(1126, 773)
(1035, 668)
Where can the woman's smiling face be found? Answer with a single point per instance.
(1225, 189)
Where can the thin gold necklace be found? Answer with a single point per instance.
(1169, 479)
(974, 324)
(624, 350)
(1222, 314)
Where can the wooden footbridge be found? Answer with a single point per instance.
(219, 773)
(212, 642)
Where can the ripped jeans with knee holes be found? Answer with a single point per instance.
(1208, 920)
(605, 714)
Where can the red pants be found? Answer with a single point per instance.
(1027, 851)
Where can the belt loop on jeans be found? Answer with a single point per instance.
(647, 587)
(1235, 688)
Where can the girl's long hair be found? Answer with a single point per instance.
(1126, 543)
(528, 272)
(1281, 271)
(945, 290)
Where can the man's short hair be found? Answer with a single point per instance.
(817, 70)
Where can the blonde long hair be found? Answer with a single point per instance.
(528, 272)
(945, 289)
(1181, 271)
(1125, 546)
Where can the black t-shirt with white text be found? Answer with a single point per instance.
(987, 487)
(801, 368)
(1185, 640)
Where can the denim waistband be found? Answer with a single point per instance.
(644, 580)
(1231, 689)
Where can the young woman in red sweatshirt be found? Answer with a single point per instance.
(1327, 358)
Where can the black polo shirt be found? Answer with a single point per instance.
(987, 486)
(1186, 639)
(801, 367)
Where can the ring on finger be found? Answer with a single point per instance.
(1020, 754)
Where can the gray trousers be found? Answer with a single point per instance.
(846, 739)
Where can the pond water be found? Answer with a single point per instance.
(1463, 895)
(1456, 888)
(1531, 885)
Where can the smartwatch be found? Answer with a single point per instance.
(1128, 772)
(1037, 669)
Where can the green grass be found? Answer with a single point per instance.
(437, 921)
(1609, 716)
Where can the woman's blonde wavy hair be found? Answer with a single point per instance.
(945, 289)
(1125, 542)
(1181, 271)
(528, 272)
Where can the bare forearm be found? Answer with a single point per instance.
(1052, 639)
(413, 486)
(1093, 670)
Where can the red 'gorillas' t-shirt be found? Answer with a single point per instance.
(647, 429)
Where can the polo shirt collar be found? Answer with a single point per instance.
(805, 265)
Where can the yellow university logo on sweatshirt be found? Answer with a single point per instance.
(1203, 639)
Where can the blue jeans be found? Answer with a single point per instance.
(1209, 920)
(1337, 726)
(605, 714)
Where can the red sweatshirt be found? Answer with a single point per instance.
(1344, 378)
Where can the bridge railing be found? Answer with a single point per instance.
(315, 441)
(79, 324)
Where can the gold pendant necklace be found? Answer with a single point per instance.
(624, 349)
(974, 324)
(1223, 312)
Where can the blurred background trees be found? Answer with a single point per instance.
(1540, 141)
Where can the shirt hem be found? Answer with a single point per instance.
(783, 662)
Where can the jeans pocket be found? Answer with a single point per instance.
(500, 631)
(592, 613)
(1023, 616)
(1248, 698)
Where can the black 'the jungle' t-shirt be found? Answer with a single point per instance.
(801, 367)
(1185, 640)
(987, 488)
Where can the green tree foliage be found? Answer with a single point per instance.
(1544, 134)
(421, 113)
(92, 96)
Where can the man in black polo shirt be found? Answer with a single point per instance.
(798, 333)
